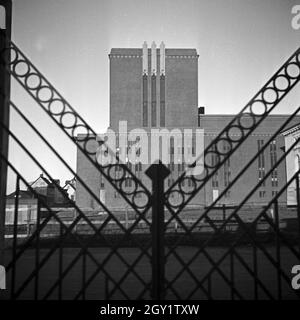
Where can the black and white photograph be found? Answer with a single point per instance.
(149, 152)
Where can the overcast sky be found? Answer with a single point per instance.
(241, 43)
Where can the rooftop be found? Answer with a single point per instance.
(139, 52)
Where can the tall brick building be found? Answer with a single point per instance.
(158, 88)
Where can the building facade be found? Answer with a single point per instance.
(157, 88)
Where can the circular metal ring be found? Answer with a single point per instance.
(287, 72)
(208, 163)
(18, 63)
(74, 120)
(193, 188)
(168, 197)
(277, 86)
(246, 115)
(258, 112)
(239, 136)
(56, 112)
(135, 196)
(27, 78)
(38, 93)
(123, 187)
(273, 90)
(87, 149)
(122, 169)
(219, 146)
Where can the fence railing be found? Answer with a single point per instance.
(168, 255)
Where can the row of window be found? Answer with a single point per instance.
(227, 171)
(263, 193)
(260, 169)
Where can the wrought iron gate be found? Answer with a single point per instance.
(156, 267)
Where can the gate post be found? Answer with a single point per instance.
(5, 37)
(158, 173)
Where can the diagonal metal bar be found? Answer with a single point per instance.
(68, 229)
(256, 110)
(236, 178)
(216, 264)
(248, 230)
(113, 248)
(275, 263)
(245, 199)
(49, 99)
(126, 231)
(199, 283)
(49, 254)
(199, 251)
(185, 265)
(123, 278)
(237, 209)
(87, 188)
(252, 273)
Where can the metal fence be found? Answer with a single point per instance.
(146, 256)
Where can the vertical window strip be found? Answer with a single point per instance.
(162, 101)
(145, 100)
(153, 100)
(214, 161)
(261, 162)
(273, 159)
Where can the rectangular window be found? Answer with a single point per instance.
(261, 162)
(101, 182)
(128, 182)
(215, 183)
(273, 160)
(262, 194)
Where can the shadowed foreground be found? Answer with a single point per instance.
(184, 286)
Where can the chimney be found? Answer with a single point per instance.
(201, 110)
(153, 58)
(162, 58)
(145, 58)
